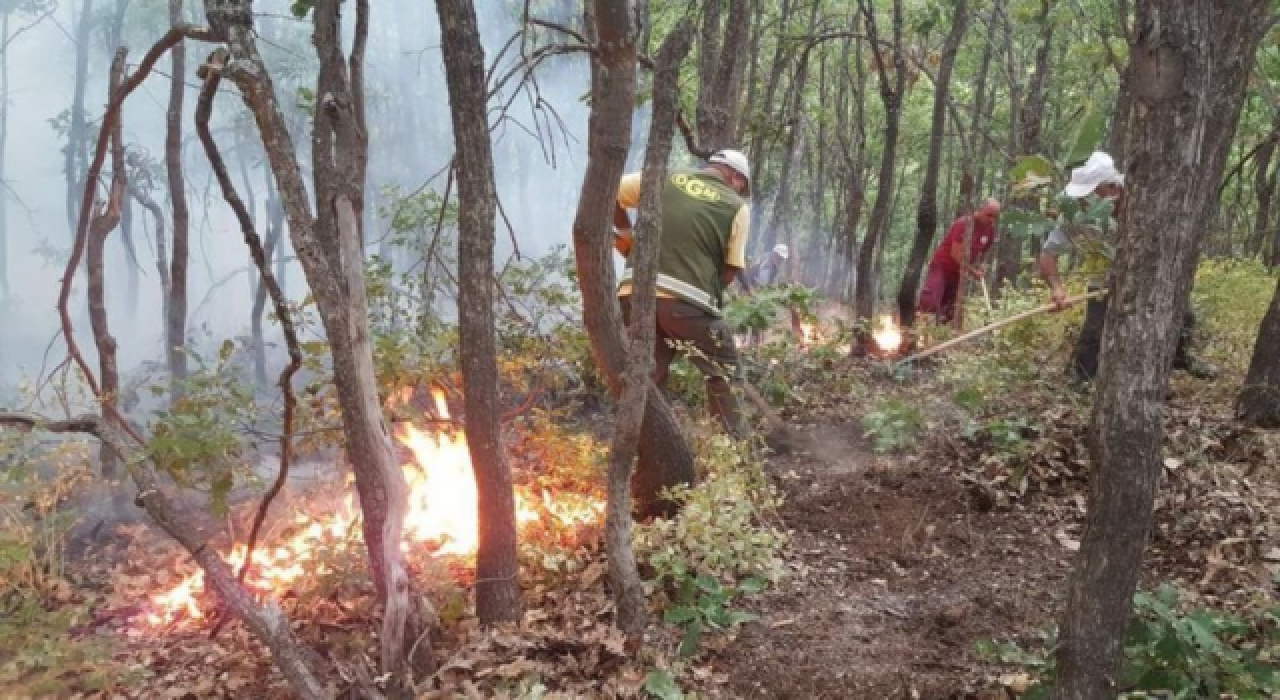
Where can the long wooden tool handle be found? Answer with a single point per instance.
(997, 325)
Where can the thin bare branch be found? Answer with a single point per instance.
(211, 72)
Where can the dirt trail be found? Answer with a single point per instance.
(898, 569)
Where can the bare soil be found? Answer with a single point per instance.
(899, 568)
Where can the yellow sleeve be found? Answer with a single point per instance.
(629, 191)
(738, 239)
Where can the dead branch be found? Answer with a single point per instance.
(211, 73)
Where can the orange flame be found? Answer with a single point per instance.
(443, 511)
(888, 337)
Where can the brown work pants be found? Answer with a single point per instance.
(708, 342)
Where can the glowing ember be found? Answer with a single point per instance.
(442, 511)
(888, 337)
(808, 333)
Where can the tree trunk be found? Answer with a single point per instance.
(1122, 107)
(721, 65)
(113, 38)
(1264, 184)
(1259, 401)
(497, 567)
(1190, 60)
(792, 121)
(1029, 127)
(329, 248)
(101, 226)
(74, 156)
(765, 108)
(176, 322)
(275, 232)
(927, 211)
(624, 577)
(665, 458)
(891, 94)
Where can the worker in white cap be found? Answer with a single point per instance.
(705, 223)
(1098, 179)
(769, 270)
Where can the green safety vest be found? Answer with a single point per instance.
(698, 210)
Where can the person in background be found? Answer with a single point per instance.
(942, 282)
(1097, 179)
(768, 271)
(705, 226)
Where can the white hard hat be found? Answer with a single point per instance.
(1100, 169)
(782, 251)
(735, 160)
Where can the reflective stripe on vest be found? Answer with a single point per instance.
(684, 290)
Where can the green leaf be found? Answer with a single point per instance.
(710, 584)
(661, 685)
(753, 585)
(1087, 135)
(679, 615)
(1033, 165)
(224, 351)
(692, 639)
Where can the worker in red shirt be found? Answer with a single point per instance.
(943, 281)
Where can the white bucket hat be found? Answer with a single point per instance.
(736, 161)
(1099, 170)
(782, 251)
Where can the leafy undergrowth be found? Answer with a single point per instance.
(101, 628)
(998, 419)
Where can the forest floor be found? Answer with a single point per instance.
(918, 542)
(905, 565)
(899, 569)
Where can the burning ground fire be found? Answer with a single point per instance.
(442, 512)
(888, 336)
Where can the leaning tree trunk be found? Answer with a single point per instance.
(497, 567)
(927, 211)
(624, 576)
(891, 95)
(1190, 61)
(665, 458)
(1259, 400)
(332, 258)
(176, 322)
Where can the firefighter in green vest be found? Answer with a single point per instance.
(705, 222)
